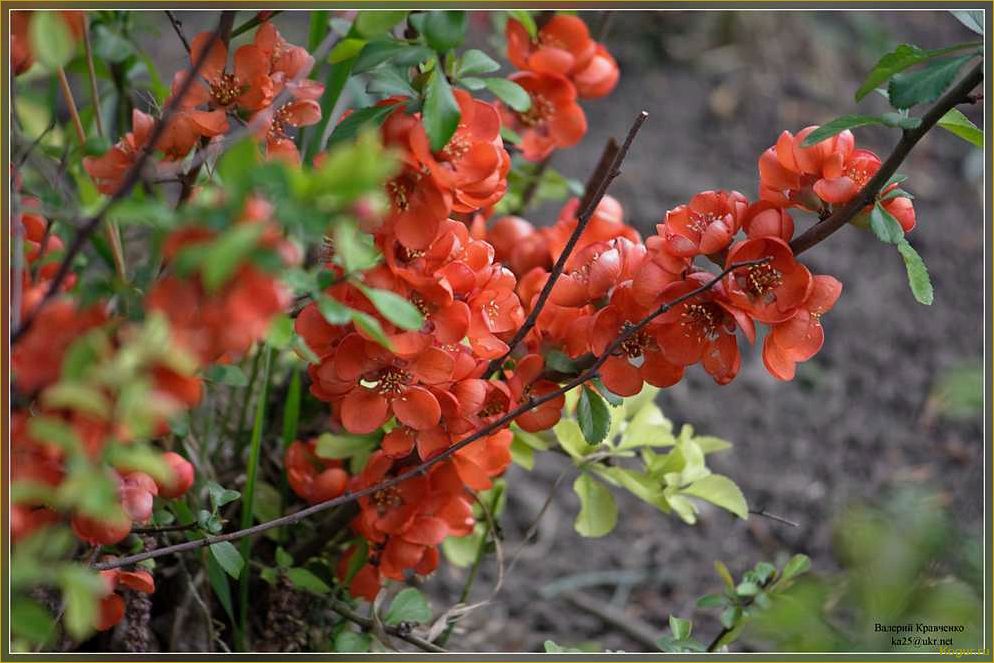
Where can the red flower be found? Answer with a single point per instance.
(563, 46)
(769, 292)
(111, 609)
(903, 210)
(519, 245)
(790, 175)
(524, 383)
(553, 121)
(418, 202)
(641, 358)
(247, 87)
(764, 219)
(37, 358)
(801, 336)
(397, 385)
(599, 77)
(702, 328)
(108, 170)
(705, 225)
(474, 163)
(181, 479)
(313, 478)
(276, 123)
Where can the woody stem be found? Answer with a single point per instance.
(958, 94)
(582, 219)
(113, 237)
(424, 466)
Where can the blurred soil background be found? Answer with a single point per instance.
(861, 418)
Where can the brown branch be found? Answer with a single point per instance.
(632, 626)
(956, 95)
(92, 73)
(130, 179)
(178, 28)
(581, 223)
(603, 164)
(396, 631)
(423, 467)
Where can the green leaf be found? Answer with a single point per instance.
(333, 311)
(896, 61)
(267, 503)
(228, 557)
(352, 642)
(960, 125)
(372, 23)
(973, 20)
(680, 628)
(571, 438)
(220, 496)
(30, 620)
(747, 589)
(228, 252)
(444, 30)
(229, 374)
(347, 49)
(77, 396)
(388, 81)
(885, 226)
(354, 249)
(510, 93)
(797, 565)
(838, 125)
(900, 121)
(81, 590)
(925, 84)
(918, 278)
(598, 511)
(238, 161)
(720, 491)
(441, 112)
(283, 558)
(711, 601)
(522, 454)
(304, 579)
(724, 574)
(524, 17)
(394, 308)
(280, 332)
(475, 61)
(461, 550)
(410, 605)
(51, 41)
(371, 328)
(337, 447)
(593, 416)
(378, 52)
(372, 116)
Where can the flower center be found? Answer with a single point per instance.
(700, 222)
(458, 146)
(392, 381)
(386, 498)
(420, 304)
(858, 175)
(761, 279)
(540, 110)
(700, 321)
(280, 122)
(634, 345)
(225, 89)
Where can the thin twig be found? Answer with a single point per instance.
(130, 179)
(956, 95)
(71, 105)
(423, 467)
(635, 628)
(772, 516)
(163, 529)
(367, 623)
(581, 223)
(178, 28)
(92, 71)
(252, 22)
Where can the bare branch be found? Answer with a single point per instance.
(581, 224)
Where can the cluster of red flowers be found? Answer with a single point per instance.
(206, 325)
(267, 71)
(559, 66)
